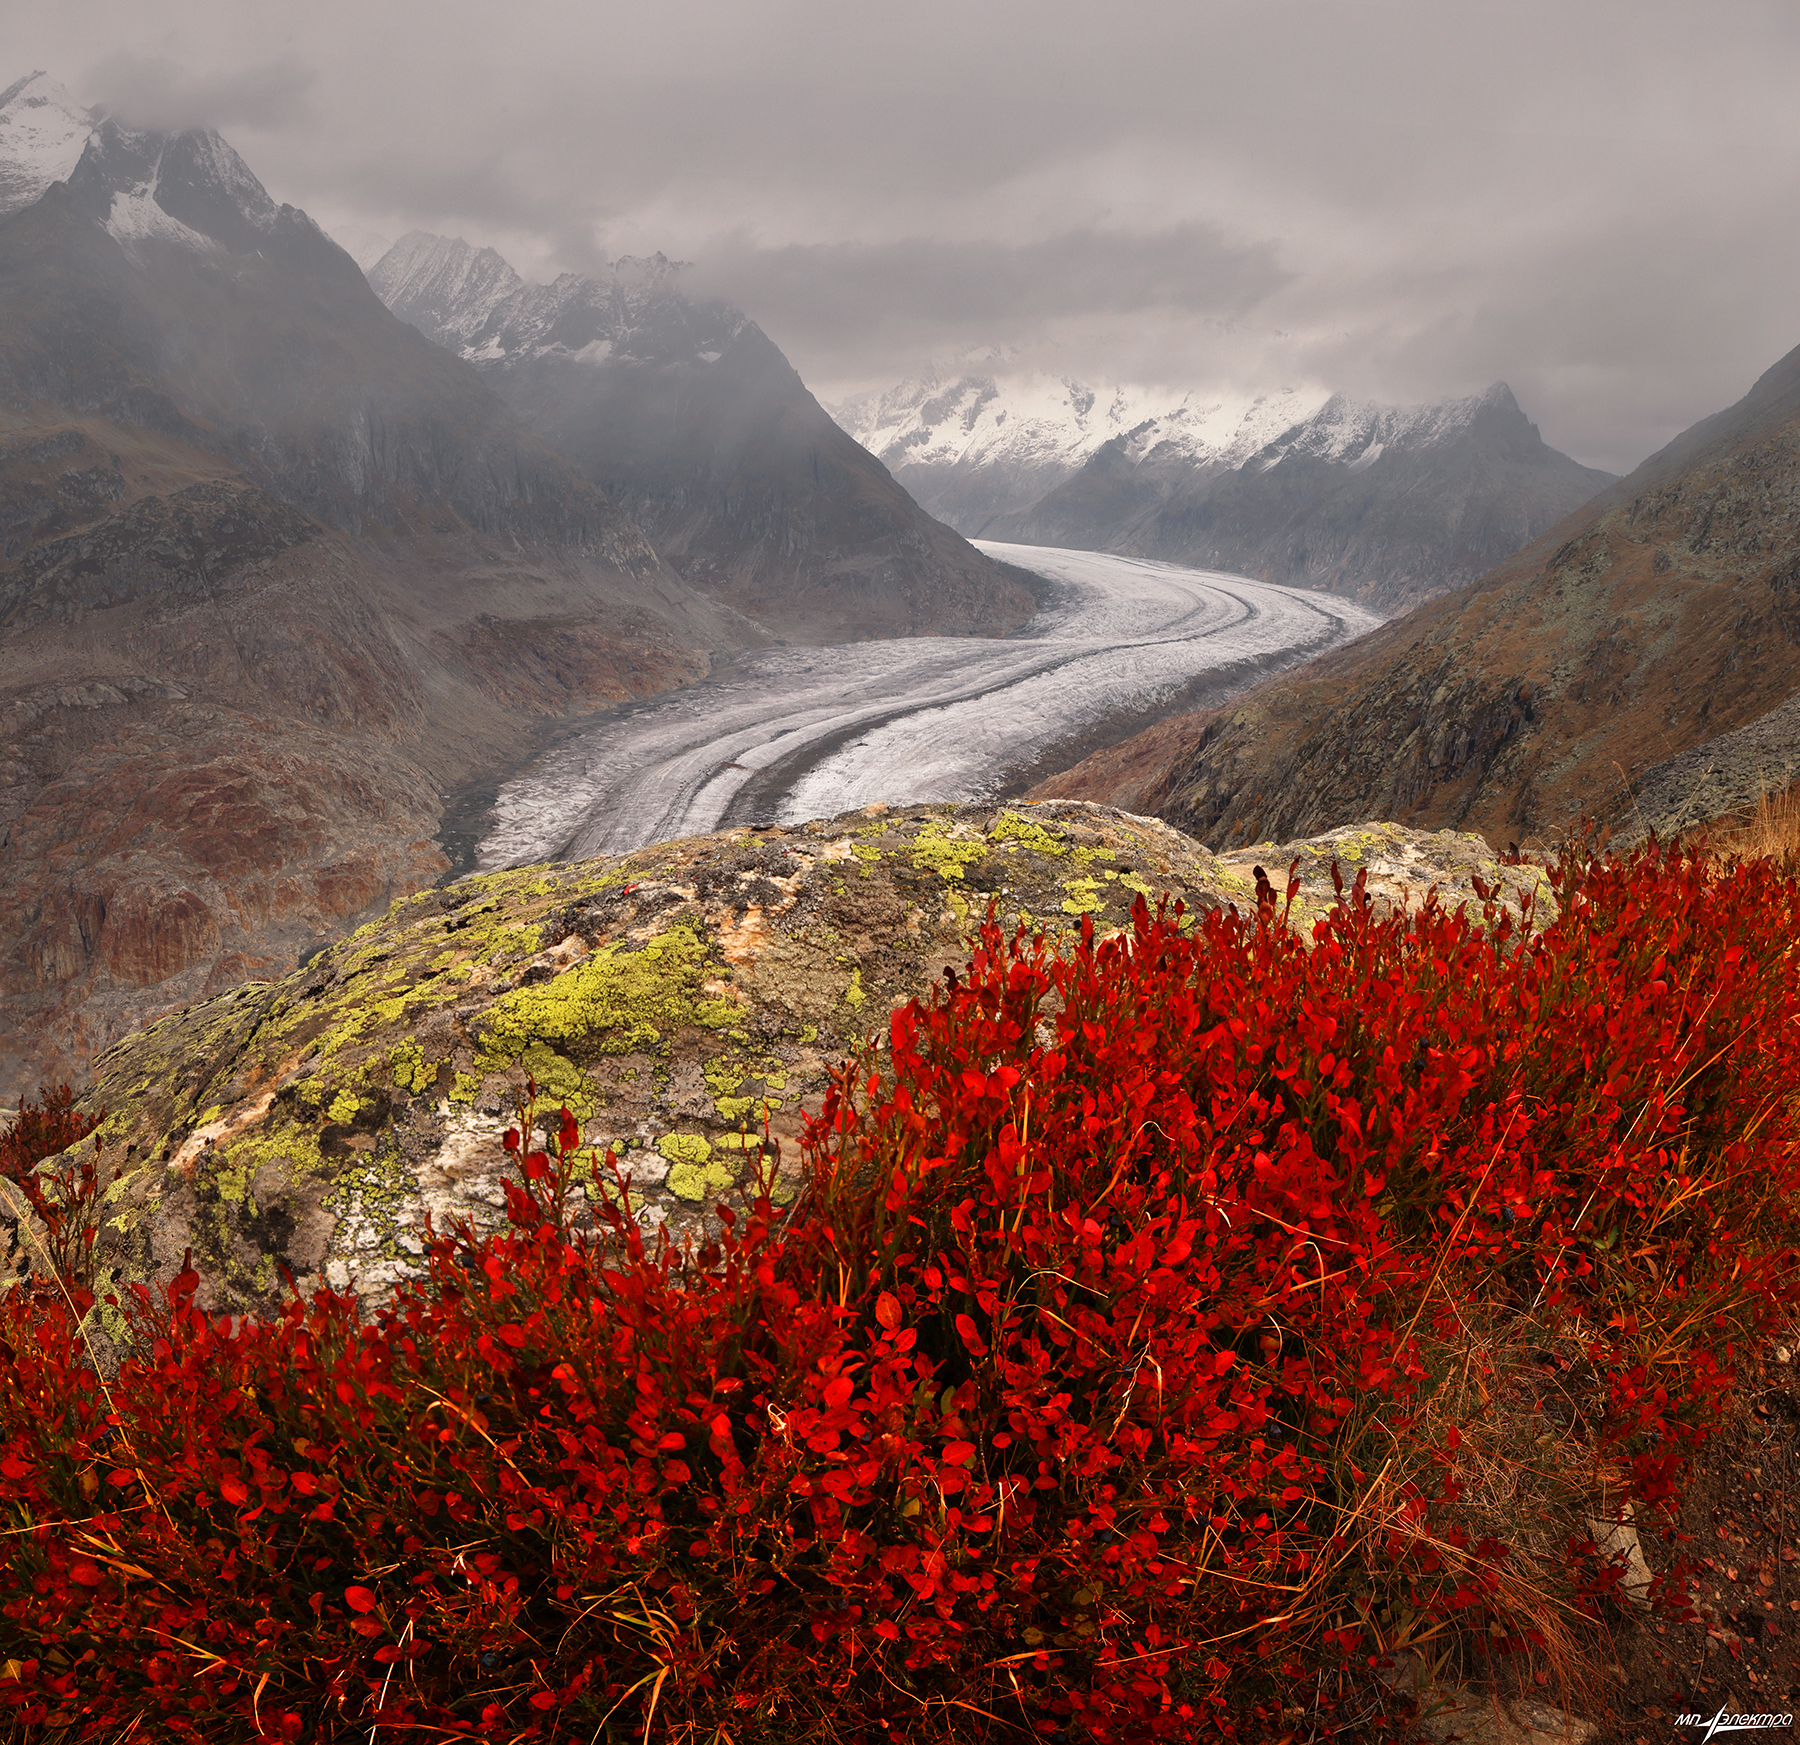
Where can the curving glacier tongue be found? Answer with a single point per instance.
(798, 733)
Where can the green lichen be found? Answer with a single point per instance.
(466, 1087)
(854, 995)
(1010, 827)
(699, 1181)
(615, 999)
(412, 1071)
(753, 1109)
(934, 849)
(684, 1147)
(558, 1079)
(209, 1116)
(287, 1142)
(1084, 897)
(866, 852)
(343, 1107)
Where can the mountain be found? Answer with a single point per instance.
(1635, 664)
(1390, 505)
(974, 447)
(43, 132)
(688, 416)
(278, 579)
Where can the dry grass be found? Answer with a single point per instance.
(1520, 1395)
(1771, 827)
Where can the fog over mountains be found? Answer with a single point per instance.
(301, 554)
(1389, 504)
(690, 418)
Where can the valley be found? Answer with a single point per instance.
(796, 733)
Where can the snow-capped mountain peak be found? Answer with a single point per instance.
(472, 301)
(974, 445)
(43, 132)
(190, 188)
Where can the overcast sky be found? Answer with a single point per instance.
(1596, 202)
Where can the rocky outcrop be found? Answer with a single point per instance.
(1660, 618)
(688, 1001)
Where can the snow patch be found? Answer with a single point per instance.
(136, 218)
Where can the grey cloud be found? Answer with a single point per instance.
(921, 291)
(1401, 198)
(153, 91)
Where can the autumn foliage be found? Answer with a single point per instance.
(1093, 1389)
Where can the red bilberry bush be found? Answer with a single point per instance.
(1131, 1367)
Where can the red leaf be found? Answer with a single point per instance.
(513, 1334)
(971, 1335)
(360, 1599)
(234, 1490)
(887, 1310)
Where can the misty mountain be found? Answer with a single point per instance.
(973, 447)
(277, 576)
(1638, 664)
(689, 417)
(1390, 505)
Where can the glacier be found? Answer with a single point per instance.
(799, 733)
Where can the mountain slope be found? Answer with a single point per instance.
(689, 417)
(1634, 640)
(277, 577)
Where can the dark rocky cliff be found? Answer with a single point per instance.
(690, 417)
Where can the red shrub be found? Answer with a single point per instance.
(63, 1197)
(1083, 1394)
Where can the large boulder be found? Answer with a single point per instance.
(687, 1001)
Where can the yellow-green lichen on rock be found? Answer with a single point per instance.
(618, 1000)
(677, 999)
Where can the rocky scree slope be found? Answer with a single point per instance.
(1613, 669)
(276, 575)
(688, 1001)
(1388, 504)
(688, 415)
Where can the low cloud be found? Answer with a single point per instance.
(152, 92)
(849, 302)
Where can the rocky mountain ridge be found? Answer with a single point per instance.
(975, 444)
(1621, 661)
(688, 416)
